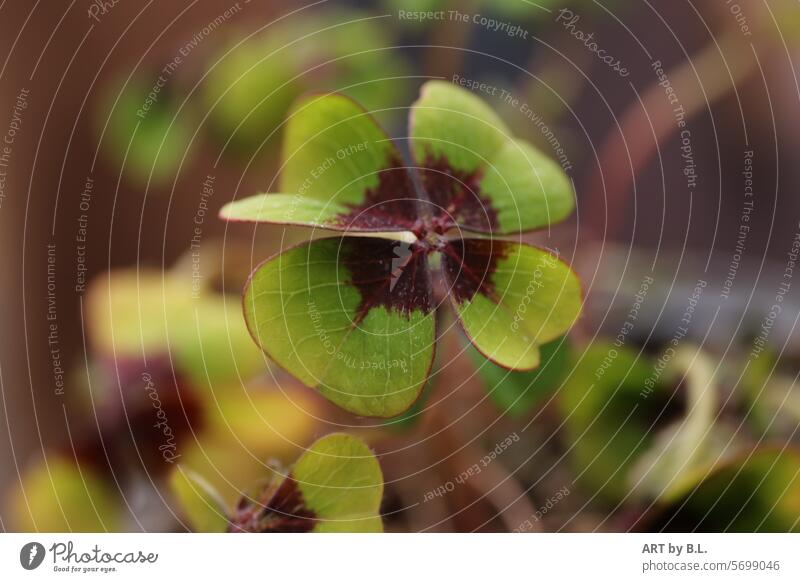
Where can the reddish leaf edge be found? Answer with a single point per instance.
(454, 306)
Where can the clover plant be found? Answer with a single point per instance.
(335, 486)
(354, 315)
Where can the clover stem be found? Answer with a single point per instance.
(503, 491)
(494, 483)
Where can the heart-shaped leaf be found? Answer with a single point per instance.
(335, 486)
(476, 175)
(336, 315)
(510, 298)
(342, 484)
(341, 172)
(451, 123)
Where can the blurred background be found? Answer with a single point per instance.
(672, 405)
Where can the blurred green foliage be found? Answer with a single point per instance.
(607, 422)
(252, 83)
(141, 312)
(57, 495)
(518, 393)
(755, 492)
(149, 143)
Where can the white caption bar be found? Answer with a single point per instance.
(351, 558)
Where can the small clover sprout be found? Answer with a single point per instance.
(335, 486)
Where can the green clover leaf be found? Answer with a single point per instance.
(353, 316)
(335, 486)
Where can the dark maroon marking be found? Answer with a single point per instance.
(393, 203)
(468, 266)
(128, 435)
(388, 273)
(456, 197)
(390, 204)
(278, 509)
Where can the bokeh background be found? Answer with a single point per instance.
(673, 403)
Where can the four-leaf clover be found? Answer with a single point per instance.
(354, 316)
